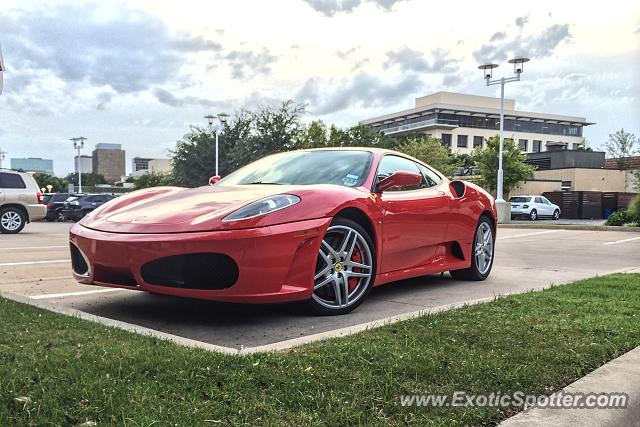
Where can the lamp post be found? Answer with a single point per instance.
(78, 143)
(504, 209)
(222, 117)
(2, 153)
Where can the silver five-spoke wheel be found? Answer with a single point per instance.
(344, 269)
(11, 221)
(484, 247)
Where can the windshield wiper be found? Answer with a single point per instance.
(265, 183)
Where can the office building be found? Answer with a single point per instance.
(33, 164)
(463, 122)
(84, 165)
(139, 164)
(109, 160)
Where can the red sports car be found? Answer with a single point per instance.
(322, 225)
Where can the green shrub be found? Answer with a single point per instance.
(618, 218)
(633, 210)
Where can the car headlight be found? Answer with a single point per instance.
(263, 207)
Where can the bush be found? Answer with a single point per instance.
(618, 218)
(633, 210)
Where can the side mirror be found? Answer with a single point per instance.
(214, 179)
(399, 179)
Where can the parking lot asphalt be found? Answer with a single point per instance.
(35, 264)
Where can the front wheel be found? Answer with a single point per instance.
(345, 268)
(556, 214)
(482, 256)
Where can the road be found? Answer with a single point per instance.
(35, 264)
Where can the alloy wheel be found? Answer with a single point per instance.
(483, 247)
(344, 268)
(11, 220)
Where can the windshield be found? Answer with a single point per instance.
(348, 168)
(519, 199)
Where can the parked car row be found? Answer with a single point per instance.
(22, 202)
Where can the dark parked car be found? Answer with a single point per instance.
(76, 207)
(55, 203)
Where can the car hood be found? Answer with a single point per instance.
(176, 210)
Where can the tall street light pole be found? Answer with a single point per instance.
(78, 143)
(2, 153)
(222, 117)
(504, 209)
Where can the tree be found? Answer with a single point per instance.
(432, 152)
(152, 179)
(88, 179)
(58, 185)
(621, 145)
(515, 170)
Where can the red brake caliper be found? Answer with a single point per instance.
(356, 257)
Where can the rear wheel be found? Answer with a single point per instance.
(482, 255)
(345, 268)
(533, 215)
(12, 220)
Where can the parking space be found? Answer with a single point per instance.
(35, 264)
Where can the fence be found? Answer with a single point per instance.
(588, 204)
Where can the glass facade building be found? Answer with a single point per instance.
(33, 164)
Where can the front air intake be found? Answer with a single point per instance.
(78, 262)
(209, 271)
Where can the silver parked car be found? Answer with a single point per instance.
(20, 201)
(533, 207)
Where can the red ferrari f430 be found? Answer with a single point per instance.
(322, 226)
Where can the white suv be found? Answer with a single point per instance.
(20, 201)
(533, 207)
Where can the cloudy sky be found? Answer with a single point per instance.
(139, 72)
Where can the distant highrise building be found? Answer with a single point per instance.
(85, 165)
(33, 164)
(139, 164)
(109, 160)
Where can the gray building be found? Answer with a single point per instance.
(139, 164)
(85, 165)
(109, 160)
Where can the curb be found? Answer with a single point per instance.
(621, 375)
(572, 227)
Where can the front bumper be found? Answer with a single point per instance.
(275, 263)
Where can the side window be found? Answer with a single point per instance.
(391, 164)
(538, 200)
(545, 201)
(11, 180)
(430, 176)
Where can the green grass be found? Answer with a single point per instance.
(74, 370)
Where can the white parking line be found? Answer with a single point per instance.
(75, 294)
(6, 264)
(622, 241)
(33, 247)
(529, 234)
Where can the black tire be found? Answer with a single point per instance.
(556, 215)
(533, 215)
(9, 217)
(49, 219)
(474, 272)
(320, 309)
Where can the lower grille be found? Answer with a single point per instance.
(78, 263)
(192, 271)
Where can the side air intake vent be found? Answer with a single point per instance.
(192, 271)
(78, 263)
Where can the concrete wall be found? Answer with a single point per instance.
(586, 179)
(160, 165)
(466, 100)
(535, 187)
